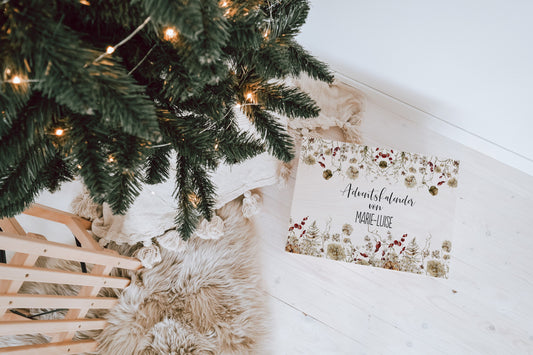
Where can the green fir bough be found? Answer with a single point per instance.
(107, 90)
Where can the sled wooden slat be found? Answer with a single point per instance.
(78, 228)
(49, 326)
(54, 301)
(25, 273)
(19, 259)
(68, 347)
(10, 225)
(81, 312)
(28, 245)
(55, 215)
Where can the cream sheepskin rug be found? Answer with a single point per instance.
(204, 299)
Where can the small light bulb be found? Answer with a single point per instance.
(249, 96)
(78, 166)
(111, 159)
(16, 79)
(85, 2)
(110, 50)
(59, 132)
(170, 34)
(238, 105)
(216, 146)
(265, 34)
(224, 3)
(194, 199)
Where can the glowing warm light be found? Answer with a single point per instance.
(16, 80)
(266, 34)
(249, 96)
(59, 132)
(78, 166)
(216, 146)
(170, 34)
(110, 50)
(194, 199)
(224, 4)
(238, 105)
(85, 2)
(111, 159)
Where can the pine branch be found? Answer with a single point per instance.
(192, 136)
(56, 173)
(157, 168)
(30, 128)
(13, 97)
(300, 61)
(88, 151)
(289, 16)
(289, 101)
(20, 183)
(237, 147)
(279, 143)
(127, 155)
(185, 15)
(187, 217)
(206, 191)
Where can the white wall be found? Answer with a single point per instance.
(468, 63)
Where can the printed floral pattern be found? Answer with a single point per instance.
(351, 161)
(402, 253)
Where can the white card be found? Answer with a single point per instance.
(374, 206)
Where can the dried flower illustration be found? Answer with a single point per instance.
(309, 159)
(352, 172)
(383, 164)
(395, 252)
(347, 229)
(335, 251)
(447, 246)
(435, 268)
(391, 265)
(452, 182)
(410, 181)
(433, 190)
(327, 174)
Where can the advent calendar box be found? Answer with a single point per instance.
(374, 206)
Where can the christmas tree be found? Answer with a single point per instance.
(108, 90)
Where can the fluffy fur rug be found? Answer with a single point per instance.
(204, 299)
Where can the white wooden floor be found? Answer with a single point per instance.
(326, 307)
(485, 307)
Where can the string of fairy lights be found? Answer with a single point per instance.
(169, 34)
